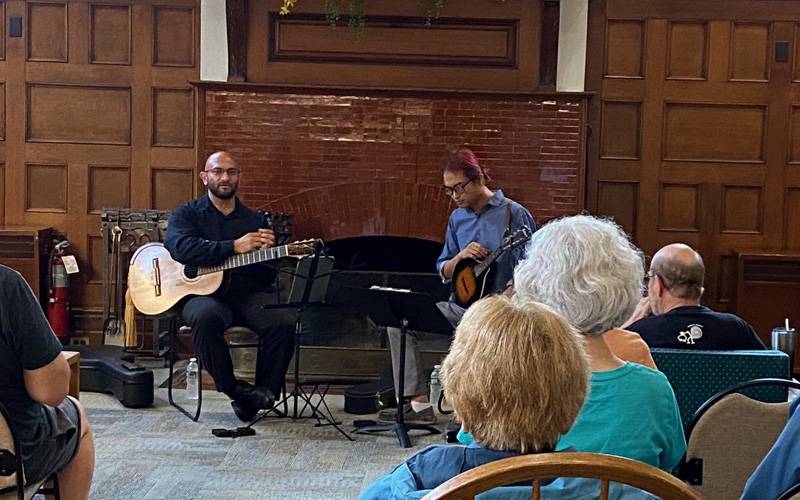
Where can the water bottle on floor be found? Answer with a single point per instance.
(192, 378)
(436, 387)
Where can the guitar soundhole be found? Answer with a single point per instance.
(190, 272)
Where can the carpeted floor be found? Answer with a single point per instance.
(157, 453)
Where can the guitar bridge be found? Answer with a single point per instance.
(157, 277)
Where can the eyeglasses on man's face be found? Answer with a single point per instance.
(218, 172)
(457, 190)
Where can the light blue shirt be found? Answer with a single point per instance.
(434, 465)
(630, 412)
(780, 469)
(487, 227)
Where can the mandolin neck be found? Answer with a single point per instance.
(480, 267)
(245, 259)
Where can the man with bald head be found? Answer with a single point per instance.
(671, 315)
(204, 232)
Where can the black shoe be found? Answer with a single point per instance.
(253, 396)
(243, 411)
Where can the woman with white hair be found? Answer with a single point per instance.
(586, 269)
(516, 376)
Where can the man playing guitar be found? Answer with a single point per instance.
(476, 228)
(203, 232)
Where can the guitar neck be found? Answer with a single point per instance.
(245, 259)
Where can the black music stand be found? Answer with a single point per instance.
(407, 311)
(297, 392)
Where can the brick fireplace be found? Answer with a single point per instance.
(357, 165)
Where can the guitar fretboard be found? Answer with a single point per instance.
(244, 259)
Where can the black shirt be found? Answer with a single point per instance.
(199, 234)
(697, 327)
(26, 343)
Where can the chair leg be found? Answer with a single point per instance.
(173, 332)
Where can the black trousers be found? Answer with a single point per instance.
(209, 317)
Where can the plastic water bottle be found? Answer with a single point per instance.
(192, 378)
(436, 387)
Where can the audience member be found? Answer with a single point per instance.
(586, 269)
(516, 376)
(671, 315)
(52, 428)
(780, 469)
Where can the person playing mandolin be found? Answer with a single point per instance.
(486, 226)
(204, 232)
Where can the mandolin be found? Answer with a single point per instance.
(157, 281)
(472, 278)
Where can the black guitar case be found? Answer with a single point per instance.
(106, 368)
(370, 397)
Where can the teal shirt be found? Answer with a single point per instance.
(630, 412)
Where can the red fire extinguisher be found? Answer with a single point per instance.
(58, 307)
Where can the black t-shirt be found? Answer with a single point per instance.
(199, 234)
(26, 343)
(697, 327)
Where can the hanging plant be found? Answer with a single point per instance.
(357, 19)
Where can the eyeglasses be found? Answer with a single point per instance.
(217, 172)
(458, 189)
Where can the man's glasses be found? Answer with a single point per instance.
(458, 189)
(217, 172)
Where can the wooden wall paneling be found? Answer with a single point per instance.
(727, 281)
(466, 47)
(47, 31)
(619, 200)
(796, 53)
(110, 34)
(792, 218)
(750, 51)
(595, 42)
(171, 187)
(687, 54)
(46, 188)
(174, 35)
(742, 209)
(625, 51)
(2, 30)
(108, 186)
(779, 138)
(237, 22)
(679, 208)
(453, 42)
(2, 111)
(740, 132)
(173, 117)
(653, 115)
(143, 53)
(621, 130)
(62, 113)
(2, 193)
(548, 53)
(793, 149)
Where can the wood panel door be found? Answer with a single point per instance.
(97, 111)
(696, 127)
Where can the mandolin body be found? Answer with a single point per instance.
(468, 286)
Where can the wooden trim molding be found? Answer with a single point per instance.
(287, 42)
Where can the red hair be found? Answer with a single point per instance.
(464, 160)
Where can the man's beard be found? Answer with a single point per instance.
(222, 194)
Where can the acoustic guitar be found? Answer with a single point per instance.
(157, 282)
(472, 278)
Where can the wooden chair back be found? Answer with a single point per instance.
(535, 468)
